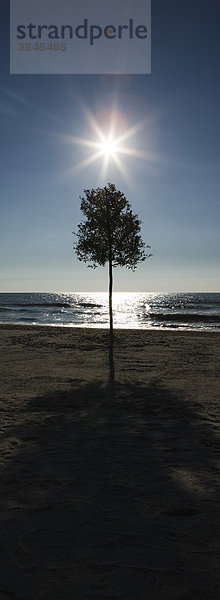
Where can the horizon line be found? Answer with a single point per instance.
(114, 292)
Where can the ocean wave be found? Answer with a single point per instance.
(184, 318)
(14, 309)
(23, 305)
(89, 305)
(30, 319)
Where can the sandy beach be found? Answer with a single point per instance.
(109, 464)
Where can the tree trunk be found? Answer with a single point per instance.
(110, 265)
(110, 297)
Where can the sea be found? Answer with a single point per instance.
(131, 310)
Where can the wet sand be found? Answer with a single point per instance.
(109, 464)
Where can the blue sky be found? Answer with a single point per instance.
(176, 194)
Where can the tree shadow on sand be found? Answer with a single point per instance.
(110, 498)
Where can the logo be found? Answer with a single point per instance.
(63, 36)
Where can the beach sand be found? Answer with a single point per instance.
(109, 464)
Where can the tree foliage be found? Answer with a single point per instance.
(110, 231)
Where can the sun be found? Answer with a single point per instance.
(108, 147)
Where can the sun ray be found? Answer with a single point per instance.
(149, 156)
(86, 163)
(104, 166)
(124, 172)
(94, 126)
(73, 140)
(132, 131)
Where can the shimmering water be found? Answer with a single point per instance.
(197, 311)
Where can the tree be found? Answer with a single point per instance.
(110, 233)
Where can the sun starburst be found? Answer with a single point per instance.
(112, 140)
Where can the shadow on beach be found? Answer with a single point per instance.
(110, 497)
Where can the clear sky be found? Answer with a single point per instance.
(173, 185)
